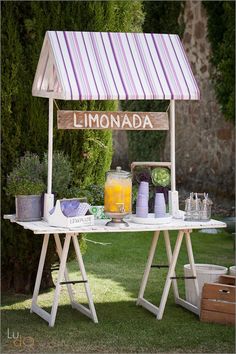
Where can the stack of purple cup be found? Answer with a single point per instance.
(160, 206)
(142, 200)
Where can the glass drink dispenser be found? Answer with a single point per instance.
(118, 195)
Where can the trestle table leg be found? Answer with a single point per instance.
(148, 266)
(40, 271)
(66, 275)
(62, 253)
(169, 256)
(59, 279)
(183, 302)
(170, 279)
(191, 261)
(170, 274)
(92, 313)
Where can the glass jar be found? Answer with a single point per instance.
(118, 192)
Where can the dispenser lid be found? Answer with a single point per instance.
(118, 172)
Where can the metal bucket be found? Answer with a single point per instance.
(28, 207)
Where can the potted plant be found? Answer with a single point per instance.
(26, 184)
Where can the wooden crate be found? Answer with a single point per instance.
(218, 301)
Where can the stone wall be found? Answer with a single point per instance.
(204, 140)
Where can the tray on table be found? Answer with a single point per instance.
(150, 220)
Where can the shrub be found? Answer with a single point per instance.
(221, 33)
(62, 173)
(24, 118)
(93, 193)
(26, 177)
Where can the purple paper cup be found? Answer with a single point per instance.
(159, 199)
(160, 206)
(143, 188)
(142, 212)
(142, 201)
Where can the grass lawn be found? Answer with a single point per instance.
(115, 272)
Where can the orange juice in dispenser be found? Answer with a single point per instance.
(118, 194)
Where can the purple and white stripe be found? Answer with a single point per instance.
(109, 65)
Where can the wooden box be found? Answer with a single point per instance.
(218, 301)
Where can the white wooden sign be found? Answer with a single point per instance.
(112, 120)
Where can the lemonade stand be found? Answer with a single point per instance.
(114, 66)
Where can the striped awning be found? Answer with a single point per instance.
(119, 66)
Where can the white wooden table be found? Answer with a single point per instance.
(184, 230)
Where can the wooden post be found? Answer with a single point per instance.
(49, 197)
(50, 145)
(172, 144)
(173, 194)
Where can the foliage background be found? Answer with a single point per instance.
(24, 118)
(221, 34)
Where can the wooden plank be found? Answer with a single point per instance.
(112, 120)
(82, 309)
(218, 292)
(42, 227)
(149, 164)
(187, 305)
(148, 305)
(217, 317)
(219, 306)
(49, 94)
(41, 312)
(227, 279)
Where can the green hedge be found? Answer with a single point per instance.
(25, 118)
(221, 33)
